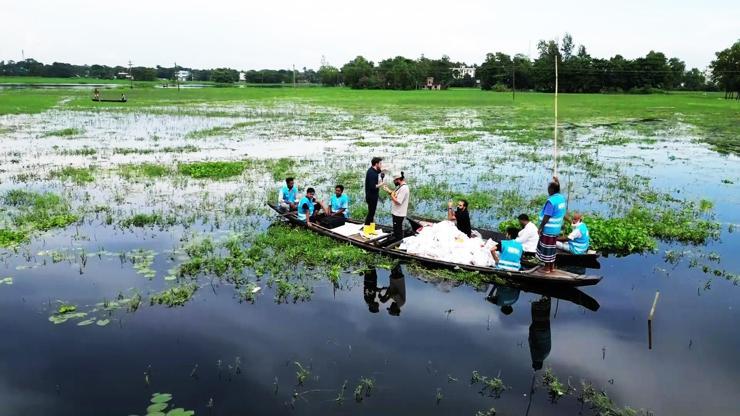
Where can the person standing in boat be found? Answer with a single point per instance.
(461, 216)
(399, 204)
(373, 182)
(96, 94)
(551, 223)
(578, 240)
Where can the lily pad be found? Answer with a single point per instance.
(180, 412)
(103, 322)
(156, 407)
(161, 397)
(86, 322)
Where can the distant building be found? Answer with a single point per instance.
(182, 75)
(460, 72)
(430, 85)
(242, 76)
(123, 75)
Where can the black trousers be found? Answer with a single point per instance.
(372, 205)
(398, 227)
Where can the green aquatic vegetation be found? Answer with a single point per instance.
(279, 168)
(6, 280)
(364, 388)
(67, 132)
(84, 151)
(705, 205)
(209, 132)
(65, 312)
(212, 170)
(143, 260)
(489, 412)
(149, 220)
(174, 296)
(464, 138)
(286, 290)
(302, 373)
(493, 385)
(79, 176)
(159, 404)
(555, 388)
(601, 405)
(30, 211)
(363, 143)
(144, 170)
(11, 238)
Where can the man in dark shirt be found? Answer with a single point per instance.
(461, 216)
(373, 181)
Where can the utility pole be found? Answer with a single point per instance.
(513, 82)
(130, 74)
(177, 78)
(293, 76)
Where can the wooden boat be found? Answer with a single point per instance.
(109, 100)
(588, 260)
(381, 245)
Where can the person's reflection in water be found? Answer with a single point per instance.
(370, 290)
(540, 339)
(395, 291)
(504, 297)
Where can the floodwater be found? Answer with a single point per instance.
(23, 86)
(419, 338)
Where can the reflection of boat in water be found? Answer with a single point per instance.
(351, 233)
(540, 337)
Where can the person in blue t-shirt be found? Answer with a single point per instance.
(309, 209)
(288, 198)
(578, 240)
(339, 203)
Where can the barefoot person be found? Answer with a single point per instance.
(551, 223)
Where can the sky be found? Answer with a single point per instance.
(254, 35)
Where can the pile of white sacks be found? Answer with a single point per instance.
(443, 241)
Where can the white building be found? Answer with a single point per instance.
(242, 76)
(182, 75)
(460, 72)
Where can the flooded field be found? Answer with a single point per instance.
(139, 261)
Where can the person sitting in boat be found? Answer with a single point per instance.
(578, 240)
(287, 201)
(461, 216)
(339, 203)
(309, 209)
(551, 223)
(511, 252)
(528, 235)
(123, 98)
(504, 297)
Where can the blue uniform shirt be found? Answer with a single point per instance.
(339, 203)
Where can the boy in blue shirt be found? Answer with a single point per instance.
(288, 198)
(339, 204)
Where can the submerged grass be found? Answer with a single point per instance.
(212, 170)
(79, 176)
(67, 132)
(29, 212)
(144, 170)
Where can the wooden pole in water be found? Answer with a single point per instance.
(555, 168)
(650, 320)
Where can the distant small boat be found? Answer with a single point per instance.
(108, 100)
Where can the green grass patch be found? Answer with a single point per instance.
(84, 151)
(30, 211)
(68, 132)
(212, 170)
(210, 132)
(77, 175)
(459, 139)
(174, 296)
(280, 168)
(144, 170)
(148, 220)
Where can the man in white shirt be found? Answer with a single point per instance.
(529, 235)
(399, 205)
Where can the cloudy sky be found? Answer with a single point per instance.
(277, 34)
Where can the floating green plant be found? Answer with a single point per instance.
(302, 373)
(174, 296)
(555, 388)
(212, 170)
(79, 176)
(160, 402)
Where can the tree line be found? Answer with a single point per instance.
(578, 71)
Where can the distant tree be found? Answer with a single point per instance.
(496, 69)
(224, 75)
(101, 72)
(694, 80)
(398, 73)
(726, 70)
(59, 70)
(357, 73)
(141, 73)
(329, 76)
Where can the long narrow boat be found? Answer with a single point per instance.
(588, 260)
(350, 233)
(110, 100)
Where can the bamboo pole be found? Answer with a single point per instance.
(555, 167)
(650, 321)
